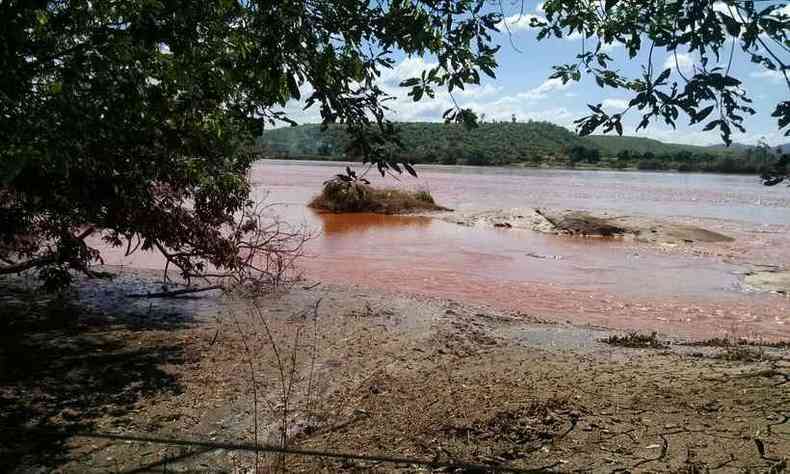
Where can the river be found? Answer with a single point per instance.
(693, 291)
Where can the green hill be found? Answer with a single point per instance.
(744, 149)
(427, 142)
(504, 143)
(613, 144)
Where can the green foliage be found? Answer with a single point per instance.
(425, 196)
(778, 171)
(709, 29)
(532, 143)
(651, 164)
(343, 195)
(636, 340)
(138, 117)
(611, 145)
(487, 144)
(580, 153)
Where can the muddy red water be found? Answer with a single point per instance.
(694, 291)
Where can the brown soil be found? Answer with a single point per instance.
(338, 196)
(372, 374)
(776, 281)
(581, 223)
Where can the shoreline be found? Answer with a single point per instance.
(381, 373)
(420, 360)
(520, 165)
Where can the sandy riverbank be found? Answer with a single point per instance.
(588, 224)
(375, 373)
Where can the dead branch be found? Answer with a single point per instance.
(254, 253)
(175, 293)
(259, 254)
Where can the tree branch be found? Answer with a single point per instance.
(175, 293)
(27, 265)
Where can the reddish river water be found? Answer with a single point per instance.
(688, 291)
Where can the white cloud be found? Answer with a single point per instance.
(408, 68)
(539, 7)
(722, 7)
(613, 103)
(486, 90)
(503, 110)
(518, 22)
(559, 116)
(543, 90)
(684, 61)
(774, 76)
(606, 47)
(404, 108)
(485, 98)
(782, 11)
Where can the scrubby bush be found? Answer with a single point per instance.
(650, 165)
(339, 195)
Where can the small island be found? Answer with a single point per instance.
(344, 195)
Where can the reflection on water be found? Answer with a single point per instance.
(333, 224)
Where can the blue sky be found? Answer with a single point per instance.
(522, 88)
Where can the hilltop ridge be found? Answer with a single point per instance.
(533, 143)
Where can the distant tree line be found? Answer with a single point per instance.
(526, 144)
(752, 161)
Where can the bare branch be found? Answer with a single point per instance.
(175, 293)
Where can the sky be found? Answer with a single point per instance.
(522, 87)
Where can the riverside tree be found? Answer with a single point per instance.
(136, 119)
(715, 32)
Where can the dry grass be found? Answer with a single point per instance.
(743, 354)
(636, 340)
(733, 342)
(582, 223)
(357, 197)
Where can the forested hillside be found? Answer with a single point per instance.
(529, 143)
(613, 144)
(490, 143)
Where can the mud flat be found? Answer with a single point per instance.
(375, 373)
(586, 224)
(776, 281)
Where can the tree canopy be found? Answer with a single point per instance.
(137, 118)
(715, 31)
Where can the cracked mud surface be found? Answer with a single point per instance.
(378, 373)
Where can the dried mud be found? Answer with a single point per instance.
(374, 373)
